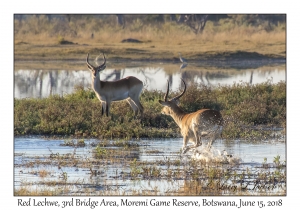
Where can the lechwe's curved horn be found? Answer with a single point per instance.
(90, 66)
(167, 93)
(179, 96)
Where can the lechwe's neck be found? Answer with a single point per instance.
(177, 114)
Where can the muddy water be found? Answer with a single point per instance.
(34, 154)
(39, 83)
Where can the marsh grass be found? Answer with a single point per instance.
(72, 143)
(250, 112)
(43, 173)
(188, 178)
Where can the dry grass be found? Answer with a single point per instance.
(159, 41)
(167, 35)
(43, 173)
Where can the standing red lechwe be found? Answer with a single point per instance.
(193, 125)
(129, 88)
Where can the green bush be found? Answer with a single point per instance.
(242, 105)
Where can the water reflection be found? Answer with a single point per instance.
(182, 66)
(42, 83)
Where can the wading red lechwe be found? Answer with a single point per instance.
(129, 88)
(193, 125)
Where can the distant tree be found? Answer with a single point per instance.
(268, 21)
(72, 17)
(172, 17)
(19, 17)
(273, 19)
(157, 18)
(196, 22)
(121, 20)
(216, 17)
(181, 18)
(160, 18)
(68, 17)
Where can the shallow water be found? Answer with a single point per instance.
(39, 83)
(113, 175)
(249, 152)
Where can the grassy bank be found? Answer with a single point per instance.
(246, 110)
(39, 38)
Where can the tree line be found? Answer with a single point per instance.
(196, 22)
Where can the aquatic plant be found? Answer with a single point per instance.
(100, 152)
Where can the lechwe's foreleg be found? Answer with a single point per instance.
(186, 148)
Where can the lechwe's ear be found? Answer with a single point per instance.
(164, 103)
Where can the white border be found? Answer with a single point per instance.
(154, 6)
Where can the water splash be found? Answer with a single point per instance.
(214, 156)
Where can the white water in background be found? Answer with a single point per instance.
(42, 83)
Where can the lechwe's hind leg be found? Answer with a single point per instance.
(135, 97)
(197, 135)
(137, 102)
(215, 134)
(212, 139)
(103, 107)
(133, 106)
